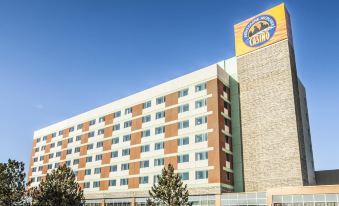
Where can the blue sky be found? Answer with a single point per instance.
(61, 58)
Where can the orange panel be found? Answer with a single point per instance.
(137, 110)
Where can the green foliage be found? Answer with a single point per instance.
(12, 183)
(58, 189)
(169, 191)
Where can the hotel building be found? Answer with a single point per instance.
(237, 132)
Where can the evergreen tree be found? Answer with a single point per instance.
(58, 189)
(12, 183)
(170, 190)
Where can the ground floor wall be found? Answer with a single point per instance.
(327, 195)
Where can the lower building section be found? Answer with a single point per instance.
(327, 195)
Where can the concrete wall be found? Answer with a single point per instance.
(270, 119)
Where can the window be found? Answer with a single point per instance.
(88, 172)
(87, 185)
(71, 129)
(114, 154)
(96, 184)
(183, 158)
(147, 104)
(126, 138)
(53, 145)
(92, 122)
(51, 155)
(159, 130)
(116, 127)
(89, 159)
(146, 118)
(59, 143)
(113, 168)
(75, 173)
(201, 175)
(91, 134)
(79, 126)
(40, 168)
(101, 131)
(143, 180)
(200, 87)
(53, 134)
(68, 163)
(56, 165)
(200, 103)
(144, 164)
(78, 138)
(100, 144)
(159, 145)
(90, 146)
(97, 170)
(125, 152)
(38, 140)
(41, 158)
(43, 148)
(159, 162)
(124, 181)
(184, 175)
(58, 154)
(160, 100)
(200, 120)
(183, 108)
(112, 183)
(201, 137)
(156, 179)
(70, 140)
(101, 119)
(145, 148)
(76, 161)
(98, 157)
(34, 169)
(146, 133)
(44, 138)
(77, 149)
(183, 141)
(201, 156)
(117, 114)
(183, 93)
(37, 149)
(61, 132)
(160, 115)
(124, 166)
(183, 124)
(128, 110)
(127, 124)
(69, 151)
(115, 140)
(33, 179)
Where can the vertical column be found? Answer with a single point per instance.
(46, 156)
(134, 167)
(83, 151)
(31, 161)
(216, 157)
(65, 134)
(106, 157)
(171, 130)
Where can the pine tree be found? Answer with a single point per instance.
(170, 190)
(12, 183)
(59, 188)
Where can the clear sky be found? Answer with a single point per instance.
(61, 58)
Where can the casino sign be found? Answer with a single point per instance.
(259, 30)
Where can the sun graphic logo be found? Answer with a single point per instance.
(259, 30)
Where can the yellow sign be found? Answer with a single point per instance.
(261, 30)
